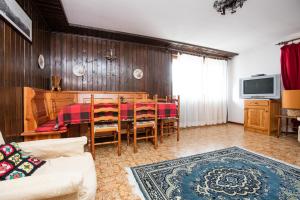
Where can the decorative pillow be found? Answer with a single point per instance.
(15, 164)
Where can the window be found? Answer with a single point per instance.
(202, 86)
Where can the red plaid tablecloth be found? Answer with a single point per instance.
(166, 110)
(74, 114)
(80, 113)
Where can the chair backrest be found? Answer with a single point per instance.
(105, 110)
(39, 108)
(163, 100)
(145, 109)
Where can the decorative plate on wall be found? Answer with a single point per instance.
(41, 61)
(78, 70)
(138, 73)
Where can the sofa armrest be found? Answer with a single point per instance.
(44, 186)
(53, 148)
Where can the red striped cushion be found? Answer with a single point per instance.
(49, 126)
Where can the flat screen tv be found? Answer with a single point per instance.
(260, 87)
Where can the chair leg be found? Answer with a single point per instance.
(93, 148)
(155, 138)
(146, 129)
(134, 140)
(161, 131)
(177, 130)
(279, 127)
(173, 127)
(115, 138)
(92, 145)
(119, 142)
(128, 134)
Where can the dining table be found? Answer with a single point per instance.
(80, 113)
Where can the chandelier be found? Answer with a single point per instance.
(228, 5)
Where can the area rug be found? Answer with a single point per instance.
(231, 173)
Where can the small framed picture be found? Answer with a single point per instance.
(12, 12)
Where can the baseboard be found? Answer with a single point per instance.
(202, 126)
(229, 122)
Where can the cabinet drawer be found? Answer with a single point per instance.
(256, 103)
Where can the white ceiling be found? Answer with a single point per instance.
(191, 21)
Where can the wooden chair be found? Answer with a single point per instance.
(105, 119)
(145, 117)
(129, 124)
(171, 123)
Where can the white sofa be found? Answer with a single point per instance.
(69, 172)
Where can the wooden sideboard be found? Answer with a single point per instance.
(260, 116)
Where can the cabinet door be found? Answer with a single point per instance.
(257, 118)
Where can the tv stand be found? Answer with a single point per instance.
(260, 115)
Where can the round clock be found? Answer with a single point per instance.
(78, 70)
(138, 73)
(41, 61)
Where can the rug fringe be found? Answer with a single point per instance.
(135, 187)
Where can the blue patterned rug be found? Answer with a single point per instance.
(231, 173)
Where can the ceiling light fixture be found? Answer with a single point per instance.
(228, 5)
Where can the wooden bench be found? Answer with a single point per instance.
(40, 111)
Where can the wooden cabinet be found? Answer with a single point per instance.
(260, 116)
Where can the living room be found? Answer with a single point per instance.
(149, 100)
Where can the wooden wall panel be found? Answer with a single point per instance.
(55, 16)
(104, 75)
(18, 68)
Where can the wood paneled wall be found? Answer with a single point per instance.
(68, 50)
(18, 68)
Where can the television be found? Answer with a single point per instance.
(260, 87)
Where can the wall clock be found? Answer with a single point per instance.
(78, 70)
(41, 61)
(138, 73)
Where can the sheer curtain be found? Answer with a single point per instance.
(202, 86)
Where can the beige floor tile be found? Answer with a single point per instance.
(112, 177)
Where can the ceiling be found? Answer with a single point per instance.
(191, 21)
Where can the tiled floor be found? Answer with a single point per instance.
(112, 177)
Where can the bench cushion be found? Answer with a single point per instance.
(49, 126)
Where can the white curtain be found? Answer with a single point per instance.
(202, 86)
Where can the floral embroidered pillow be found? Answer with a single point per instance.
(16, 164)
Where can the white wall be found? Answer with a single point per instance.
(264, 59)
